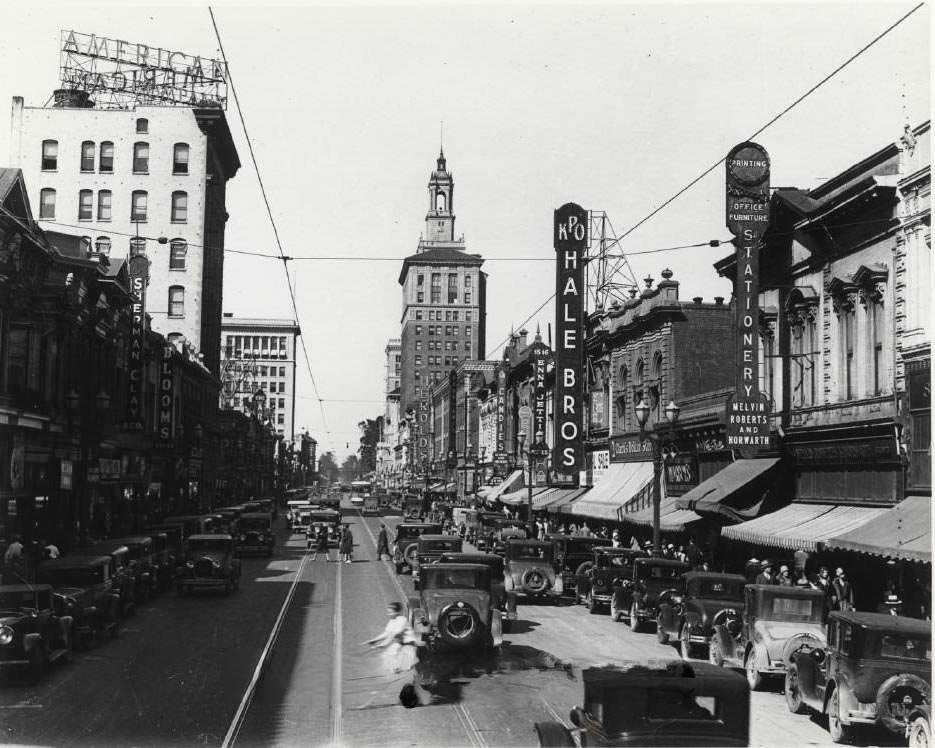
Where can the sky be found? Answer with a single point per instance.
(616, 107)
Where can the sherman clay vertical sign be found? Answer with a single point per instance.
(747, 219)
(570, 242)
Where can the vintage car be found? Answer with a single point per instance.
(430, 548)
(688, 615)
(529, 569)
(89, 588)
(639, 600)
(406, 544)
(570, 552)
(456, 607)
(125, 575)
(209, 562)
(413, 507)
(293, 511)
(875, 669)
(265, 504)
(168, 545)
(140, 553)
(192, 524)
(35, 629)
(776, 621)
(656, 704)
(323, 521)
(598, 577)
(371, 506)
(255, 534)
(504, 601)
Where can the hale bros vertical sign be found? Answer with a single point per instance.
(747, 219)
(570, 242)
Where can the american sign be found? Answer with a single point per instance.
(747, 167)
(119, 74)
(570, 241)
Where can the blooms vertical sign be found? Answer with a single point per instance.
(570, 241)
(747, 219)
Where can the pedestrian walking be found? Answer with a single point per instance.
(383, 543)
(842, 595)
(399, 656)
(694, 554)
(346, 546)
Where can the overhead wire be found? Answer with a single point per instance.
(272, 220)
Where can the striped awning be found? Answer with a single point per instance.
(802, 525)
(621, 482)
(510, 483)
(556, 498)
(671, 516)
(903, 531)
(521, 496)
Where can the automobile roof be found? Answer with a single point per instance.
(24, 588)
(439, 537)
(660, 671)
(256, 515)
(715, 575)
(458, 557)
(208, 536)
(133, 540)
(659, 561)
(528, 541)
(786, 591)
(75, 562)
(884, 622)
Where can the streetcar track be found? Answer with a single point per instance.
(337, 671)
(240, 715)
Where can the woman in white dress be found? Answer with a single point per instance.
(399, 643)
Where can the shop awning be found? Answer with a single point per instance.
(621, 482)
(521, 496)
(903, 531)
(671, 517)
(801, 525)
(559, 497)
(485, 491)
(510, 483)
(437, 487)
(736, 492)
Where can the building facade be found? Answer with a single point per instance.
(259, 355)
(151, 180)
(443, 305)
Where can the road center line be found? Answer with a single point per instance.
(337, 670)
(241, 713)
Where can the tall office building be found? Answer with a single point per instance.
(444, 302)
(260, 355)
(151, 179)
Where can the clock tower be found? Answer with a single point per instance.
(440, 220)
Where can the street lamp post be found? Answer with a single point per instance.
(655, 437)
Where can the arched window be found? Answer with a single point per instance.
(623, 398)
(47, 203)
(178, 248)
(142, 125)
(106, 165)
(87, 155)
(138, 205)
(102, 246)
(180, 158)
(141, 158)
(176, 301)
(137, 247)
(179, 207)
(103, 205)
(440, 201)
(85, 205)
(49, 155)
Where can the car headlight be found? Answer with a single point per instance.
(189, 564)
(243, 537)
(261, 537)
(6, 635)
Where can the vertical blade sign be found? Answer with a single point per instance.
(570, 242)
(747, 219)
(138, 270)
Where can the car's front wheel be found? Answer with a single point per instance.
(634, 617)
(840, 733)
(793, 694)
(754, 677)
(919, 733)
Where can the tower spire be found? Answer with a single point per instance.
(441, 139)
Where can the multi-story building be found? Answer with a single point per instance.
(147, 180)
(259, 355)
(385, 459)
(444, 305)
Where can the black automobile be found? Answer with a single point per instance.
(406, 545)
(596, 579)
(689, 614)
(255, 534)
(571, 551)
(91, 592)
(125, 575)
(35, 629)
(430, 549)
(145, 573)
(209, 563)
(504, 601)
(651, 578)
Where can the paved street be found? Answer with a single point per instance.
(180, 672)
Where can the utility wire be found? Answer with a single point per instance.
(791, 106)
(272, 221)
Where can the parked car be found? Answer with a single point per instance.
(456, 607)
(570, 552)
(209, 562)
(91, 592)
(327, 521)
(661, 704)
(651, 578)
(140, 553)
(35, 629)
(919, 729)
(292, 511)
(504, 601)
(266, 504)
(230, 515)
(406, 545)
(689, 615)
(255, 534)
(166, 557)
(413, 507)
(193, 524)
(873, 669)
(597, 578)
(776, 621)
(429, 550)
(529, 569)
(125, 575)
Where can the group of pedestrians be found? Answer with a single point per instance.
(20, 560)
(345, 545)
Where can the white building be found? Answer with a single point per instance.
(148, 180)
(260, 355)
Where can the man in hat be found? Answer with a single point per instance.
(842, 595)
(766, 574)
(891, 604)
